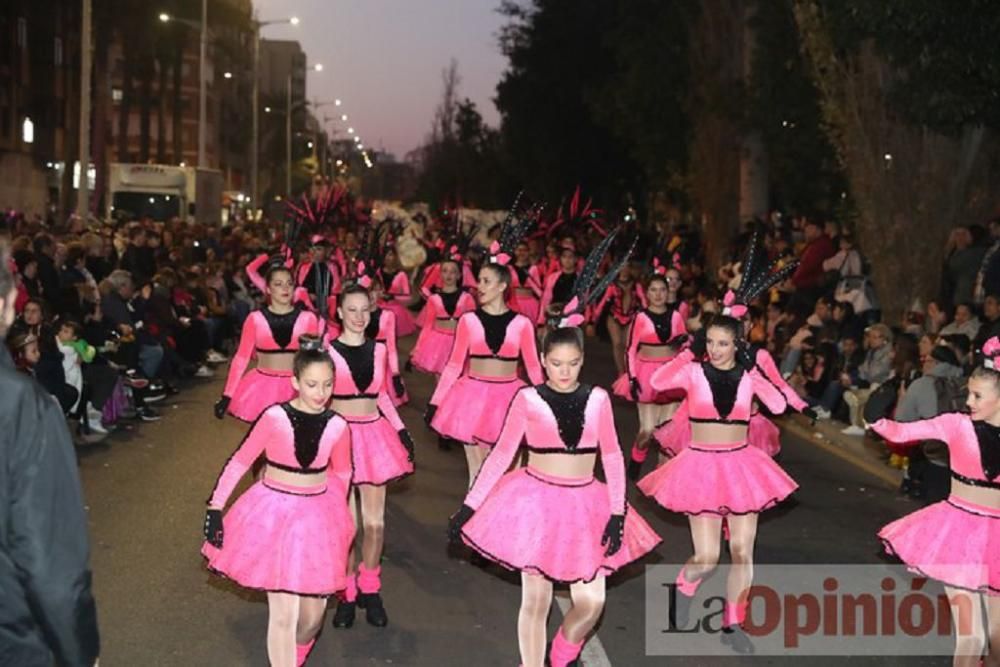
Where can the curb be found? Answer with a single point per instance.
(846, 449)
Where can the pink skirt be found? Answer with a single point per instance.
(406, 324)
(953, 541)
(644, 372)
(674, 436)
(764, 435)
(274, 540)
(432, 350)
(378, 456)
(474, 410)
(526, 305)
(258, 390)
(552, 526)
(718, 479)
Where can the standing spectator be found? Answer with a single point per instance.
(988, 278)
(990, 324)
(809, 277)
(873, 371)
(47, 611)
(965, 323)
(962, 263)
(48, 274)
(138, 257)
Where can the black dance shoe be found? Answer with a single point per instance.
(344, 616)
(374, 609)
(734, 637)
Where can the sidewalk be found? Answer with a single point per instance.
(864, 452)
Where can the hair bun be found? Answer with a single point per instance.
(310, 343)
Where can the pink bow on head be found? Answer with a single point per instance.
(365, 281)
(658, 268)
(677, 261)
(731, 308)
(574, 320)
(497, 257)
(992, 347)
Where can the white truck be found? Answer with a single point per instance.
(162, 192)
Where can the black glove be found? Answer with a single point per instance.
(457, 520)
(221, 406)
(634, 389)
(397, 386)
(213, 528)
(809, 412)
(699, 343)
(407, 441)
(429, 413)
(678, 340)
(613, 534)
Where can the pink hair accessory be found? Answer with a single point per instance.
(991, 350)
(731, 308)
(574, 320)
(659, 269)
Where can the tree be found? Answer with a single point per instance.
(910, 132)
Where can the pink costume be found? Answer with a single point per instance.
(434, 343)
(382, 328)
(378, 456)
(614, 299)
(762, 432)
(432, 278)
(558, 289)
(543, 524)
(954, 541)
(526, 278)
(650, 329)
(397, 297)
(282, 537)
(265, 333)
(470, 408)
(718, 478)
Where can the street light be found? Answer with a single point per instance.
(164, 17)
(228, 75)
(255, 102)
(343, 117)
(337, 102)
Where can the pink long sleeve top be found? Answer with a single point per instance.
(614, 297)
(654, 329)
(265, 332)
(714, 395)
(290, 440)
(445, 306)
(765, 362)
(397, 286)
(479, 335)
(361, 371)
(382, 328)
(527, 277)
(973, 446)
(547, 421)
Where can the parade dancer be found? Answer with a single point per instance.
(621, 302)
(270, 336)
(382, 329)
(955, 541)
(381, 447)
(444, 307)
(718, 476)
(397, 293)
(289, 534)
(551, 520)
(558, 287)
(468, 404)
(653, 341)
(526, 282)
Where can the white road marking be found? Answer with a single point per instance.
(593, 654)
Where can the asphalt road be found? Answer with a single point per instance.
(146, 493)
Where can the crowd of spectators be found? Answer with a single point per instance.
(111, 318)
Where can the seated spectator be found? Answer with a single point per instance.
(935, 318)
(30, 320)
(843, 375)
(847, 324)
(962, 348)
(929, 395)
(873, 371)
(926, 345)
(965, 322)
(990, 325)
(809, 379)
(118, 291)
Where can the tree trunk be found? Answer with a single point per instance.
(717, 72)
(911, 185)
(71, 143)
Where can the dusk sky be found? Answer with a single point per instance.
(383, 59)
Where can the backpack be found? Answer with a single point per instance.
(951, 394)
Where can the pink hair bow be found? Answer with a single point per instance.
(497, 257)
(570, 317)
(991, 350)
(731, 308)
(658, 268)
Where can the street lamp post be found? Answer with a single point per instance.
(203, 84)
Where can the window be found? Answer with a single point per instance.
(58, 52)
(22, 32)
(116, 95)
